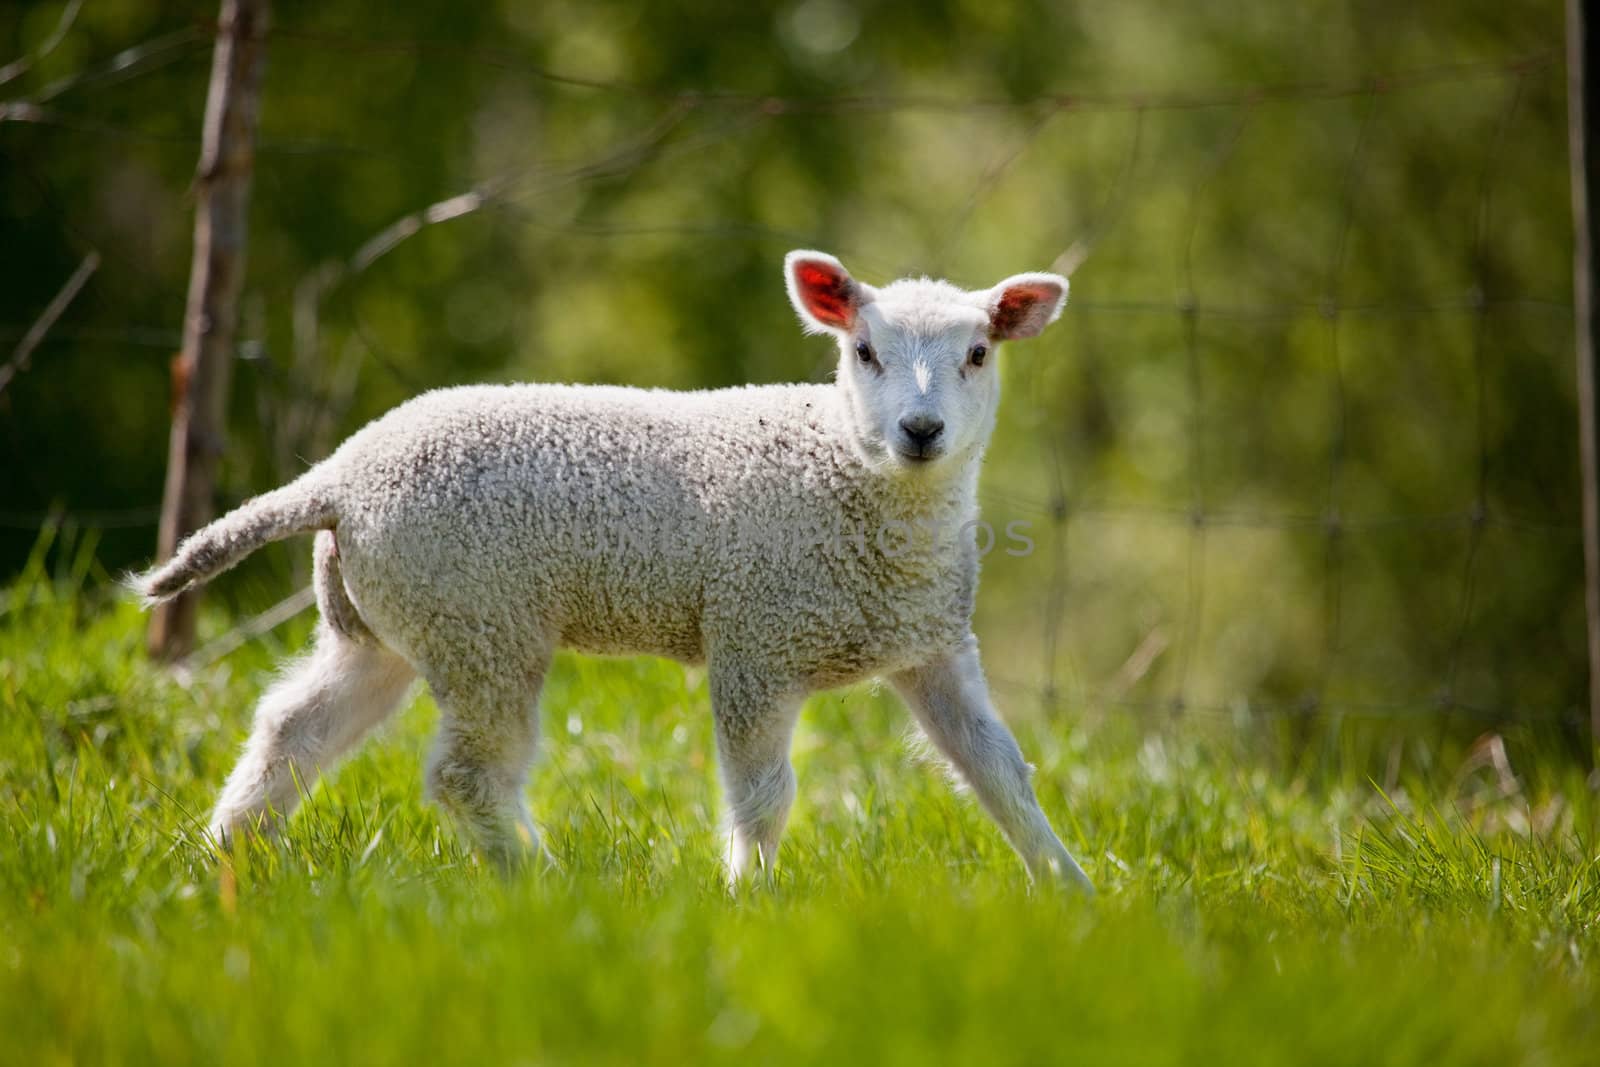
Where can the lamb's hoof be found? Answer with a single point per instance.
(1064, 872)
(226, 833)
(525, 853)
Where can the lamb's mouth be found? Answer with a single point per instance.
(914, 457)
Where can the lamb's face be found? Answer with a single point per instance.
(916, 358)
(917, 367)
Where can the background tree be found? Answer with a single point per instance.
(1305, 442)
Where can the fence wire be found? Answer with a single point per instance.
(1068, 513)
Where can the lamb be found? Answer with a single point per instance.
(789, 537)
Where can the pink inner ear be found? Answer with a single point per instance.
(1020, 308)
(826, 293)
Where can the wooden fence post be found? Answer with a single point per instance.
(1583, 134)
(201, 371)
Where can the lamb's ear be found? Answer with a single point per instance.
(822, 291)
(1024, 304)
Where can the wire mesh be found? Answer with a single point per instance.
(1069, 513)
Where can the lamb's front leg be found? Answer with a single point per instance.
(755, 719)
(951, 700)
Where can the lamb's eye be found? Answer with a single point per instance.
(979, 353)
(863, 351)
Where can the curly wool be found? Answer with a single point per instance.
(471, 532)
(500, 522)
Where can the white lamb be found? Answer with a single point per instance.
(790, 537)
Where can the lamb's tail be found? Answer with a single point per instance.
(302, 506)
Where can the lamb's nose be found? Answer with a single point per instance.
(922, 428)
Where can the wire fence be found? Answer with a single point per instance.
(1065, 508)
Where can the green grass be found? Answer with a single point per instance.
(1253, 908)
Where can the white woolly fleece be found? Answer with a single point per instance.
(765, 531)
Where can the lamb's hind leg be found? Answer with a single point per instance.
(488, 737)
(323, 705)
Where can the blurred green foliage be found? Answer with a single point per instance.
(1305, 437)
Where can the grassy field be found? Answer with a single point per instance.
(1253, 908)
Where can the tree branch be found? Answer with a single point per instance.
(23, 354)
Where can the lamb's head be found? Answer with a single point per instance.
(916, 357)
